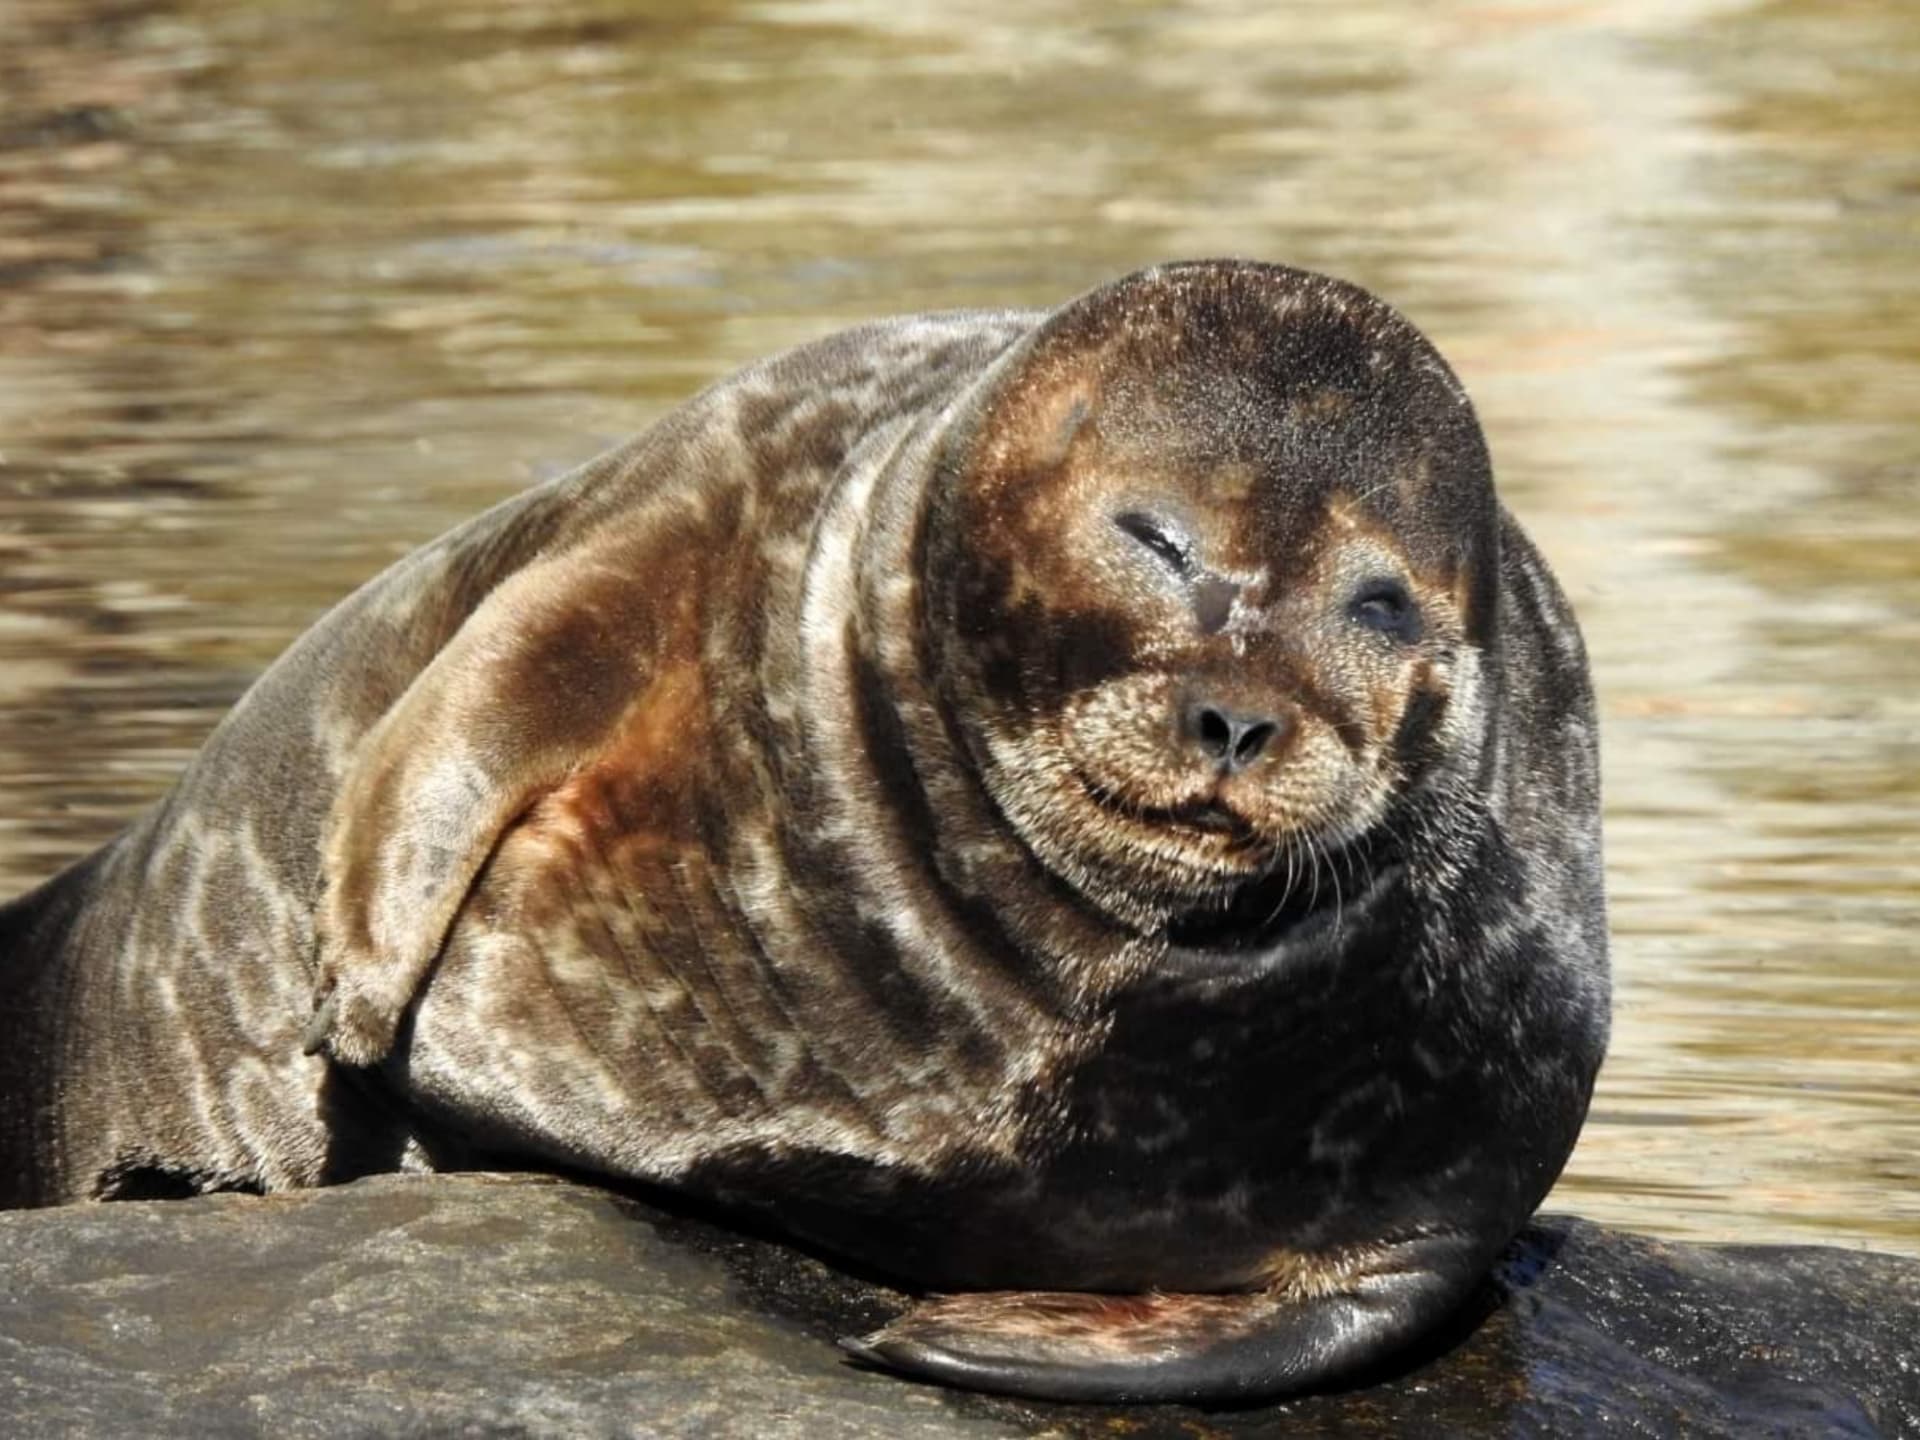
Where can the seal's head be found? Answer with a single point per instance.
(1212, 579)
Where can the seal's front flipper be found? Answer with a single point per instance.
(533, 683)
(1158, 1347)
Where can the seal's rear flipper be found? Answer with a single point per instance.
(1159, 1347)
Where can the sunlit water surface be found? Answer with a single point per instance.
(286, 288)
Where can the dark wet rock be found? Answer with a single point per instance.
(496, 1306)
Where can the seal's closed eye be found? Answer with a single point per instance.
(1384, 604)
(1173, 549)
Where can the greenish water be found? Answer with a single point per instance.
(288, 286)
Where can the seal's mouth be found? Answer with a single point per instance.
(1206, 817)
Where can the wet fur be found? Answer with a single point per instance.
(786, 807)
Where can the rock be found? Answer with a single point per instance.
(516, 1306)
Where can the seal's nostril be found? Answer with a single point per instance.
(1233, 740)
(1252, 740)
(1215, 732)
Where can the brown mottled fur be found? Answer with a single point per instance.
(824, 803)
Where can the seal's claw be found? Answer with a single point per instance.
(320, 1024)
(353, 1022)
(862, 1350)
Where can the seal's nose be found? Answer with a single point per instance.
(1231, 738)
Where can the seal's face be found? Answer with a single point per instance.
(1219, 583)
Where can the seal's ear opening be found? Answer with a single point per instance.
(536, 678)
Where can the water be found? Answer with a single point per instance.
(288, 287)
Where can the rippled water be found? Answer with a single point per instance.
(286, 288)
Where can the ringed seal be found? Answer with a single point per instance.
(1093, 811)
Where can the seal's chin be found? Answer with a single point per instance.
(1291, 911)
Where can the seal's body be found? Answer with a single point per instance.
(1097, 808)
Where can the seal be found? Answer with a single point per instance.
(1093, 813)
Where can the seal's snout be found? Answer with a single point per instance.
(1233, 739)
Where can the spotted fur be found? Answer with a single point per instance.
(804, 805)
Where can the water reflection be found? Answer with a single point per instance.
(291, 288)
